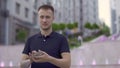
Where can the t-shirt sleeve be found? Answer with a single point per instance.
(26, 49)
(64, 45)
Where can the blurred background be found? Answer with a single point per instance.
(92, 28)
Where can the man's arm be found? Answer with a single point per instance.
(25, 61)
(65, 62)
(42, 56)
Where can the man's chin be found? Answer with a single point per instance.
(45, 28)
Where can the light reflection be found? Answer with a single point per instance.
(94, 62)
(11, 64)
(2, 64)
(81, 62)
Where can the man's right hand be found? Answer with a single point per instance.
(25, 63)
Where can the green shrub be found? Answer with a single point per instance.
(62, 26)
(70, 26)
(88, 25)
(95, 26)
(21, 35)
(55, 27)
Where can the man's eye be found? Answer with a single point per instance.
(47, 16)
(41, 16)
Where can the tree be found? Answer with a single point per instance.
(21, 35)
(70, 26)
(105, 30)
(55, 26)
(75, 24)
(62, 26)
(88, 25)
(95, 26)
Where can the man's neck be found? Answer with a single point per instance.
(46, 32)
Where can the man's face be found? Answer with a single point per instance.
(46, 18)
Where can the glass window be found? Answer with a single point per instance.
(26, 12)
(17, 9)
(27, 0)
(34, 17)
(35, 4)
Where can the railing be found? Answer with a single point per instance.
(81, 66)
(96, 66)
(10, 67)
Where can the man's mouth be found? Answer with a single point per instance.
(44, 24)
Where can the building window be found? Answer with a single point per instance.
(17, 9)
(0, 4)
(48, 2)
(119, 19)
(35, 4)
(3, 4)
(27, 0)
(26, 12)
(34, 17)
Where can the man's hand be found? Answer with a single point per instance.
(42, 56)
(25, 62)
(39, 56)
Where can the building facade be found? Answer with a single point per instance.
(88, 13)
(113, 17)
(3, 16)
(22, 16)
(117, 3)
(81, 11)
(108, 14)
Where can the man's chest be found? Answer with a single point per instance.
(51, 46)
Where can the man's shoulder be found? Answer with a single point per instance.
(33, 36)
(59, 35)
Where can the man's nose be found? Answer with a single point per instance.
(44, 19)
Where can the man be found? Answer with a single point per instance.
(80, 40)
(46, 49)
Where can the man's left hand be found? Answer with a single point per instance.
(40, 56)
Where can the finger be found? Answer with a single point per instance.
(29, 54)
(33, 52)
(30, 57)
(40, 52)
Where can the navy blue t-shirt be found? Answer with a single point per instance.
(54, 45)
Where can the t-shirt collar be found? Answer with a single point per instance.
(50, 35)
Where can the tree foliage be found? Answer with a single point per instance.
(55, 26)
(62, 26)
(21, 35)
(105, 30)
(70, 26)
(88, 25)
(75, 24)
(95, 26)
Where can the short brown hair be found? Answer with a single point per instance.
(46, 7)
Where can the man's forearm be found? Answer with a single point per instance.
(62, 63)
(25, 63)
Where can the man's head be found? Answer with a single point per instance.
(46, 15)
